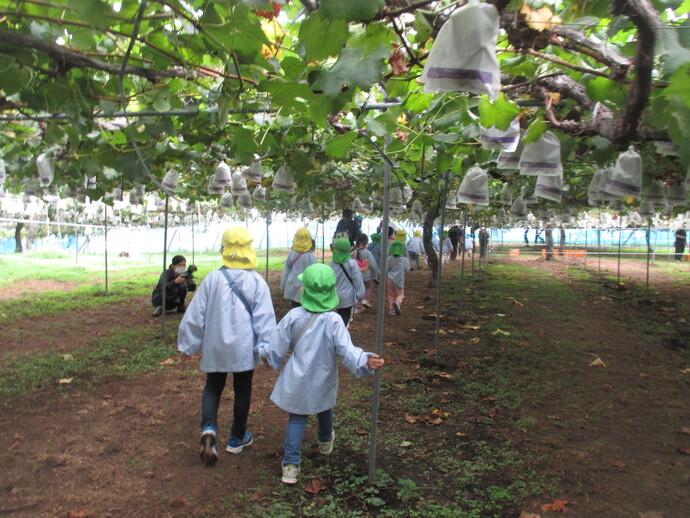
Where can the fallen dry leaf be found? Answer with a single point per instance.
(169, 361)
(440, 412)
(461, 434)
(475, 328)
(525, 514)
(411, 419)
(405, 444)
(78, 514)
(65, 381)
(597, 363)
(501, 332)
(419, 307)
(558, 505)
(686, 451)
(445, 375)
(360, 431)
(619, 464)
(651, 514)
(314, 486)
(475, 340)
(500, 314)
(492, 413)
(684, 430)
(686, 371)
(398, 62)
(437, 421)
(430, 352)
(518, 303)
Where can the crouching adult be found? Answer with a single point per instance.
(175, 284)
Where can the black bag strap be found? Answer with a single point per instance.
(299, 335)
(235, 288)
(347, 275)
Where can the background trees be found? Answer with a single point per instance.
(124, 91)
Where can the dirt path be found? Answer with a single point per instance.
(609, 435)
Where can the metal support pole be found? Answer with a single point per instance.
(165, 260)
(462, 266)
(381, 312)
(649, 226)
(620, 236)
(443, 195)
(105, 224)
(268, 224)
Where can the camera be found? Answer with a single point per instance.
(189, 277)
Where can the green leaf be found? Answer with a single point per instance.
(353, 69)
(679, 85)
(13, 79)
(535, 130)
(350, 10)
(673, 54)
(322, 37)
(293, 67)
(94, 12)
(499, 113)
(418, 102)
(422, 28)
(603, 89)
(340, 145)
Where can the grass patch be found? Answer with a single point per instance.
(126, 352)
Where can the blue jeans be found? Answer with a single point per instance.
(295, 431)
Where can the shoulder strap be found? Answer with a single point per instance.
(347, 275)
(303, 330)
(297, 259)
(234, 287)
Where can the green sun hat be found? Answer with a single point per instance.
(341, 250)
(375, 238)
(319, 294)
(397, 248)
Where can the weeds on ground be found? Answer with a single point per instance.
(126, 352)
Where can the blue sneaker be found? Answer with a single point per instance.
(208, 451)
(235, 445)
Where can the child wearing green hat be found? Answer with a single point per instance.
(229, 317)
(398, 267)
(350, 286)
(308, 383)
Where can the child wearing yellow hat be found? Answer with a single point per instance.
(308, 383)
(229, 317)
(297, 261)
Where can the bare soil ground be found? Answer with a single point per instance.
(615, 437)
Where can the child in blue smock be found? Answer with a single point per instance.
(229, 317)
(297, 260)
(308, 383)
(349, 285)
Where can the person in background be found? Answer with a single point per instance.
(308, 383)
(349, 286)
(469, 244)
(454, 234)
(297, 261)
(446, 247)
(680, 242)
(483, 241)
(369, 268)
(347, 224)
(415, 250)
(436, 243)
(175, 284)
(228, 319)
(375, 247)
(398, 267)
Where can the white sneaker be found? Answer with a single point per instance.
(358, 311)
(325, 448)
(158, 311)
(366, 303)
(290, 473)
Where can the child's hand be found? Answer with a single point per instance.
(375, 362)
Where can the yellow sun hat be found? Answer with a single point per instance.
(302, 240)
(237, 249)
(401, 235)
(417, 233)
